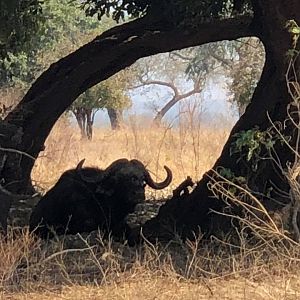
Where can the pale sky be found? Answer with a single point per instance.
(214, 101)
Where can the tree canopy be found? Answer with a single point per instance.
(20, 22)
(111, 94)
(118, 10)
(60, 28)
(36, 34)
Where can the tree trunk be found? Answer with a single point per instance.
(80, 118)
(115, 117)
(192, 213)
(89, 124)
(85, 121)
(176, 98)
(165, 109)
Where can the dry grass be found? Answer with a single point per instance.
(185, 152)
(151, 287)
(31, 269)
(108, 270)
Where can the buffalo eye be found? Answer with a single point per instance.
(134, 179)
(137, 182)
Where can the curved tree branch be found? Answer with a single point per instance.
(175, 99)
(55, 90)
(170, 85)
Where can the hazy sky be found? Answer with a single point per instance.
(213, 100)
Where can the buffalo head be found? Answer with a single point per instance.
(127, 179)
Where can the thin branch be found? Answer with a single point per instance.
(249, 194)
(297, 155)
(227, 62)
(17, 151)
(15, 196)
(181, 56)
(170, 85)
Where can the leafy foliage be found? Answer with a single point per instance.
(241, 61)
(254, 145)
(55, 28)
(108, 94)
(202, 10)
(246, 70)
(62, 28)
(118, 10)
(294, 30)
(228, 174)
(180, 11)
(20, 22)
(209, 58)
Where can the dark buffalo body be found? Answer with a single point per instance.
(86, 199)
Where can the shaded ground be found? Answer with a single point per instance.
(87, 267)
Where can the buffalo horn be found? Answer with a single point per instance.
(159, 185)
(80, 164)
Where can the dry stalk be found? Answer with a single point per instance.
(261, 221)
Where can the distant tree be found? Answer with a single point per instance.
(118, 99)
(85, 108)
(241, 61)
(190, 67)
(110, 95)
(168, 71)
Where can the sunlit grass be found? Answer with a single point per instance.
(185, 152)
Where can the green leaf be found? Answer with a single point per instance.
(295, 30)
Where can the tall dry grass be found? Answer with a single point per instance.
(109, 270)
(187, 151)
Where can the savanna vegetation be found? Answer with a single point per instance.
(63, 61)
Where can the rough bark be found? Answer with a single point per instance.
(193, 212)
(5, 203)
(89, 124)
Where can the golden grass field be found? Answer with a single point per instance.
(109, 270)
(185, 151)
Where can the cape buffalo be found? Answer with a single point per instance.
(86, 199)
